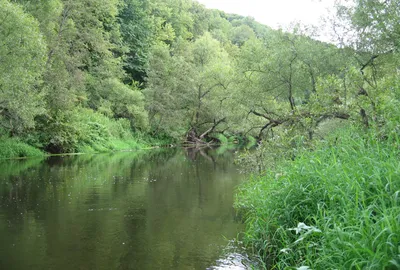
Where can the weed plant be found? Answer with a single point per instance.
(337, 207)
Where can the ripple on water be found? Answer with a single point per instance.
(232, 261)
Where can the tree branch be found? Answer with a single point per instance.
(216, 123)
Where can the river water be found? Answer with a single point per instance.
(160, 209)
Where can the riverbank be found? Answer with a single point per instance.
(13, 148)
(336, 207)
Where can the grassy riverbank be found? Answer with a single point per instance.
(14, 148)
(86, 132)
(337, 207)
(11, 148)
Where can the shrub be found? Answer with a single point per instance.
(84, 130)
(13, 148)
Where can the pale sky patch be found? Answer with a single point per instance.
(276, 13)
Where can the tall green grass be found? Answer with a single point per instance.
(14, 148)
(337, 207)
(83, 130)
(79, 131)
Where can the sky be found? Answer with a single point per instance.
(275, 13)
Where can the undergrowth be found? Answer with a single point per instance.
(79, 131)
(12, 147)
(336, 207)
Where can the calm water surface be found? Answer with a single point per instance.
(161, 209)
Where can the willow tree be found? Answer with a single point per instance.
(279, 74)
(373, 33)
(187, 87)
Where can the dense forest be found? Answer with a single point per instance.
(88, 75)
(96, 75)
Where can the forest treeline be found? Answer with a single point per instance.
(80, 75)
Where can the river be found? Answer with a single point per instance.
(157, 209)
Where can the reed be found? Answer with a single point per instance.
(337, 207)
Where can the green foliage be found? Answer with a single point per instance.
(251, 141)
(197, 70)
(388, 102)
(84, 130)
(169, 80)
(375, 23)
(174, 68)
(101, 75)
(120, 101)
(82, 67)
(14, 148)
(187, 90)
(241, 34)
(222, 139)
(327, 204)
(137, 33)
(228, 139)
(345, 191)
(22, 59)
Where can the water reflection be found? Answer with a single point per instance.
(163, 209)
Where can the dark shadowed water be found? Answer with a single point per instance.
(161, 209)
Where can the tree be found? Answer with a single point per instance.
(373, 34)
(121, 101)
(187, 91)
(279, 75)
(213, 69)
(22, 61)
(241, 34)
(168, 82)
(375, 24)
(138, 31)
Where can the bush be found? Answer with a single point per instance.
(337, 207)
(13, 148)
(86, 131)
